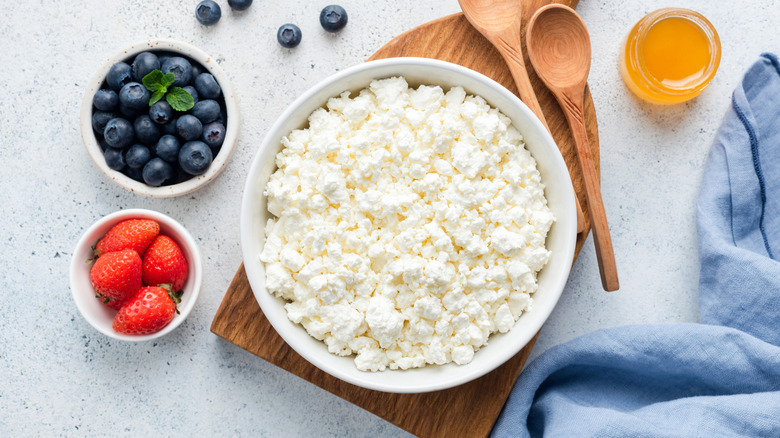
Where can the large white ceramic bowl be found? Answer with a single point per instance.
(560, 240)
(231, 130)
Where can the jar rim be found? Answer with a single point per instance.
(649, 21)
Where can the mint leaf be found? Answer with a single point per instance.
(156, 96)
(180, 99)
(152, 80)
(168, 79)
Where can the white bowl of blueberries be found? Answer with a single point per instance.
(160, 119)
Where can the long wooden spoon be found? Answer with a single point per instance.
(559, 49)
(499, 21)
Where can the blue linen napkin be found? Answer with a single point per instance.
(720, 378)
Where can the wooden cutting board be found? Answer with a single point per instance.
(467, 410)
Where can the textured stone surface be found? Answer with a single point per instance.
(61, 377)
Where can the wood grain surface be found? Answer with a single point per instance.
(467, 410)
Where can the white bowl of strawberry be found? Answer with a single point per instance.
(136, 274)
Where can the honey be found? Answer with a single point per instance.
(670, 56)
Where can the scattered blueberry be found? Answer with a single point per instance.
(208, 12)
(214, 134)
(206, 110)
(333, 18)
(181, 69)
(167, 148)
(118, 75)
(156, 172)
(146, 130)
(189, 127)
(114, 159)
(193, 92)
(137, 155)
(105, 99)
(143, 64)
(239, 5)
(100, 119)
(207, 86)
(289, 35)
(118, 133)
(161, 112)
(195, 157)
(134, 96)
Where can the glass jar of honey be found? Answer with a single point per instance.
(670, 56)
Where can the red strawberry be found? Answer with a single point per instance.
(164, 263)
(147, 312)
(114, 304)
(135, 234)
(116, 275)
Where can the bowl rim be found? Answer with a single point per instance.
(231, 130)
(280, 322)
(183, 238)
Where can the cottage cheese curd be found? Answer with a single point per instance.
(410, 225)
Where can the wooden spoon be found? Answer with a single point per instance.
(559, 49)
(499, 21)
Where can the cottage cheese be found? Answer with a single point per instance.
(410, 225)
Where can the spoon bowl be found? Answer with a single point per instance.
(559, 42)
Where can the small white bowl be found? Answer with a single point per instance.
(101, 316)
(231, 130)
(560, 240)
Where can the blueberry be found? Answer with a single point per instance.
(134, 96)
(170, 127)
(289, 35)
(167, 148)
(161, 112)
(189, 127)
(157, 171)
(206, 110)
(207, 86)
(136, 174)
(196, 70)
(333, 18)
(222, 117)
(105, 99)
(193, 92)
(118, 75)
(129, 113)
(143, 64)
(214, 134)
(137, 155)
(103, 145)
(118, 133)
(114, 159)
(100, 119)
(146, 130)
(195, 157)
(239, 5)
(208, 12)
(181, 69)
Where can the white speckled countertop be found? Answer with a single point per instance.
(58, 376)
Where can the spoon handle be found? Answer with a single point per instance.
(571, 103)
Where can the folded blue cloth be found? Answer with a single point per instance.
(720, 378)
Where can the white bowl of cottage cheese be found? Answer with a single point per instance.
(408, 225)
